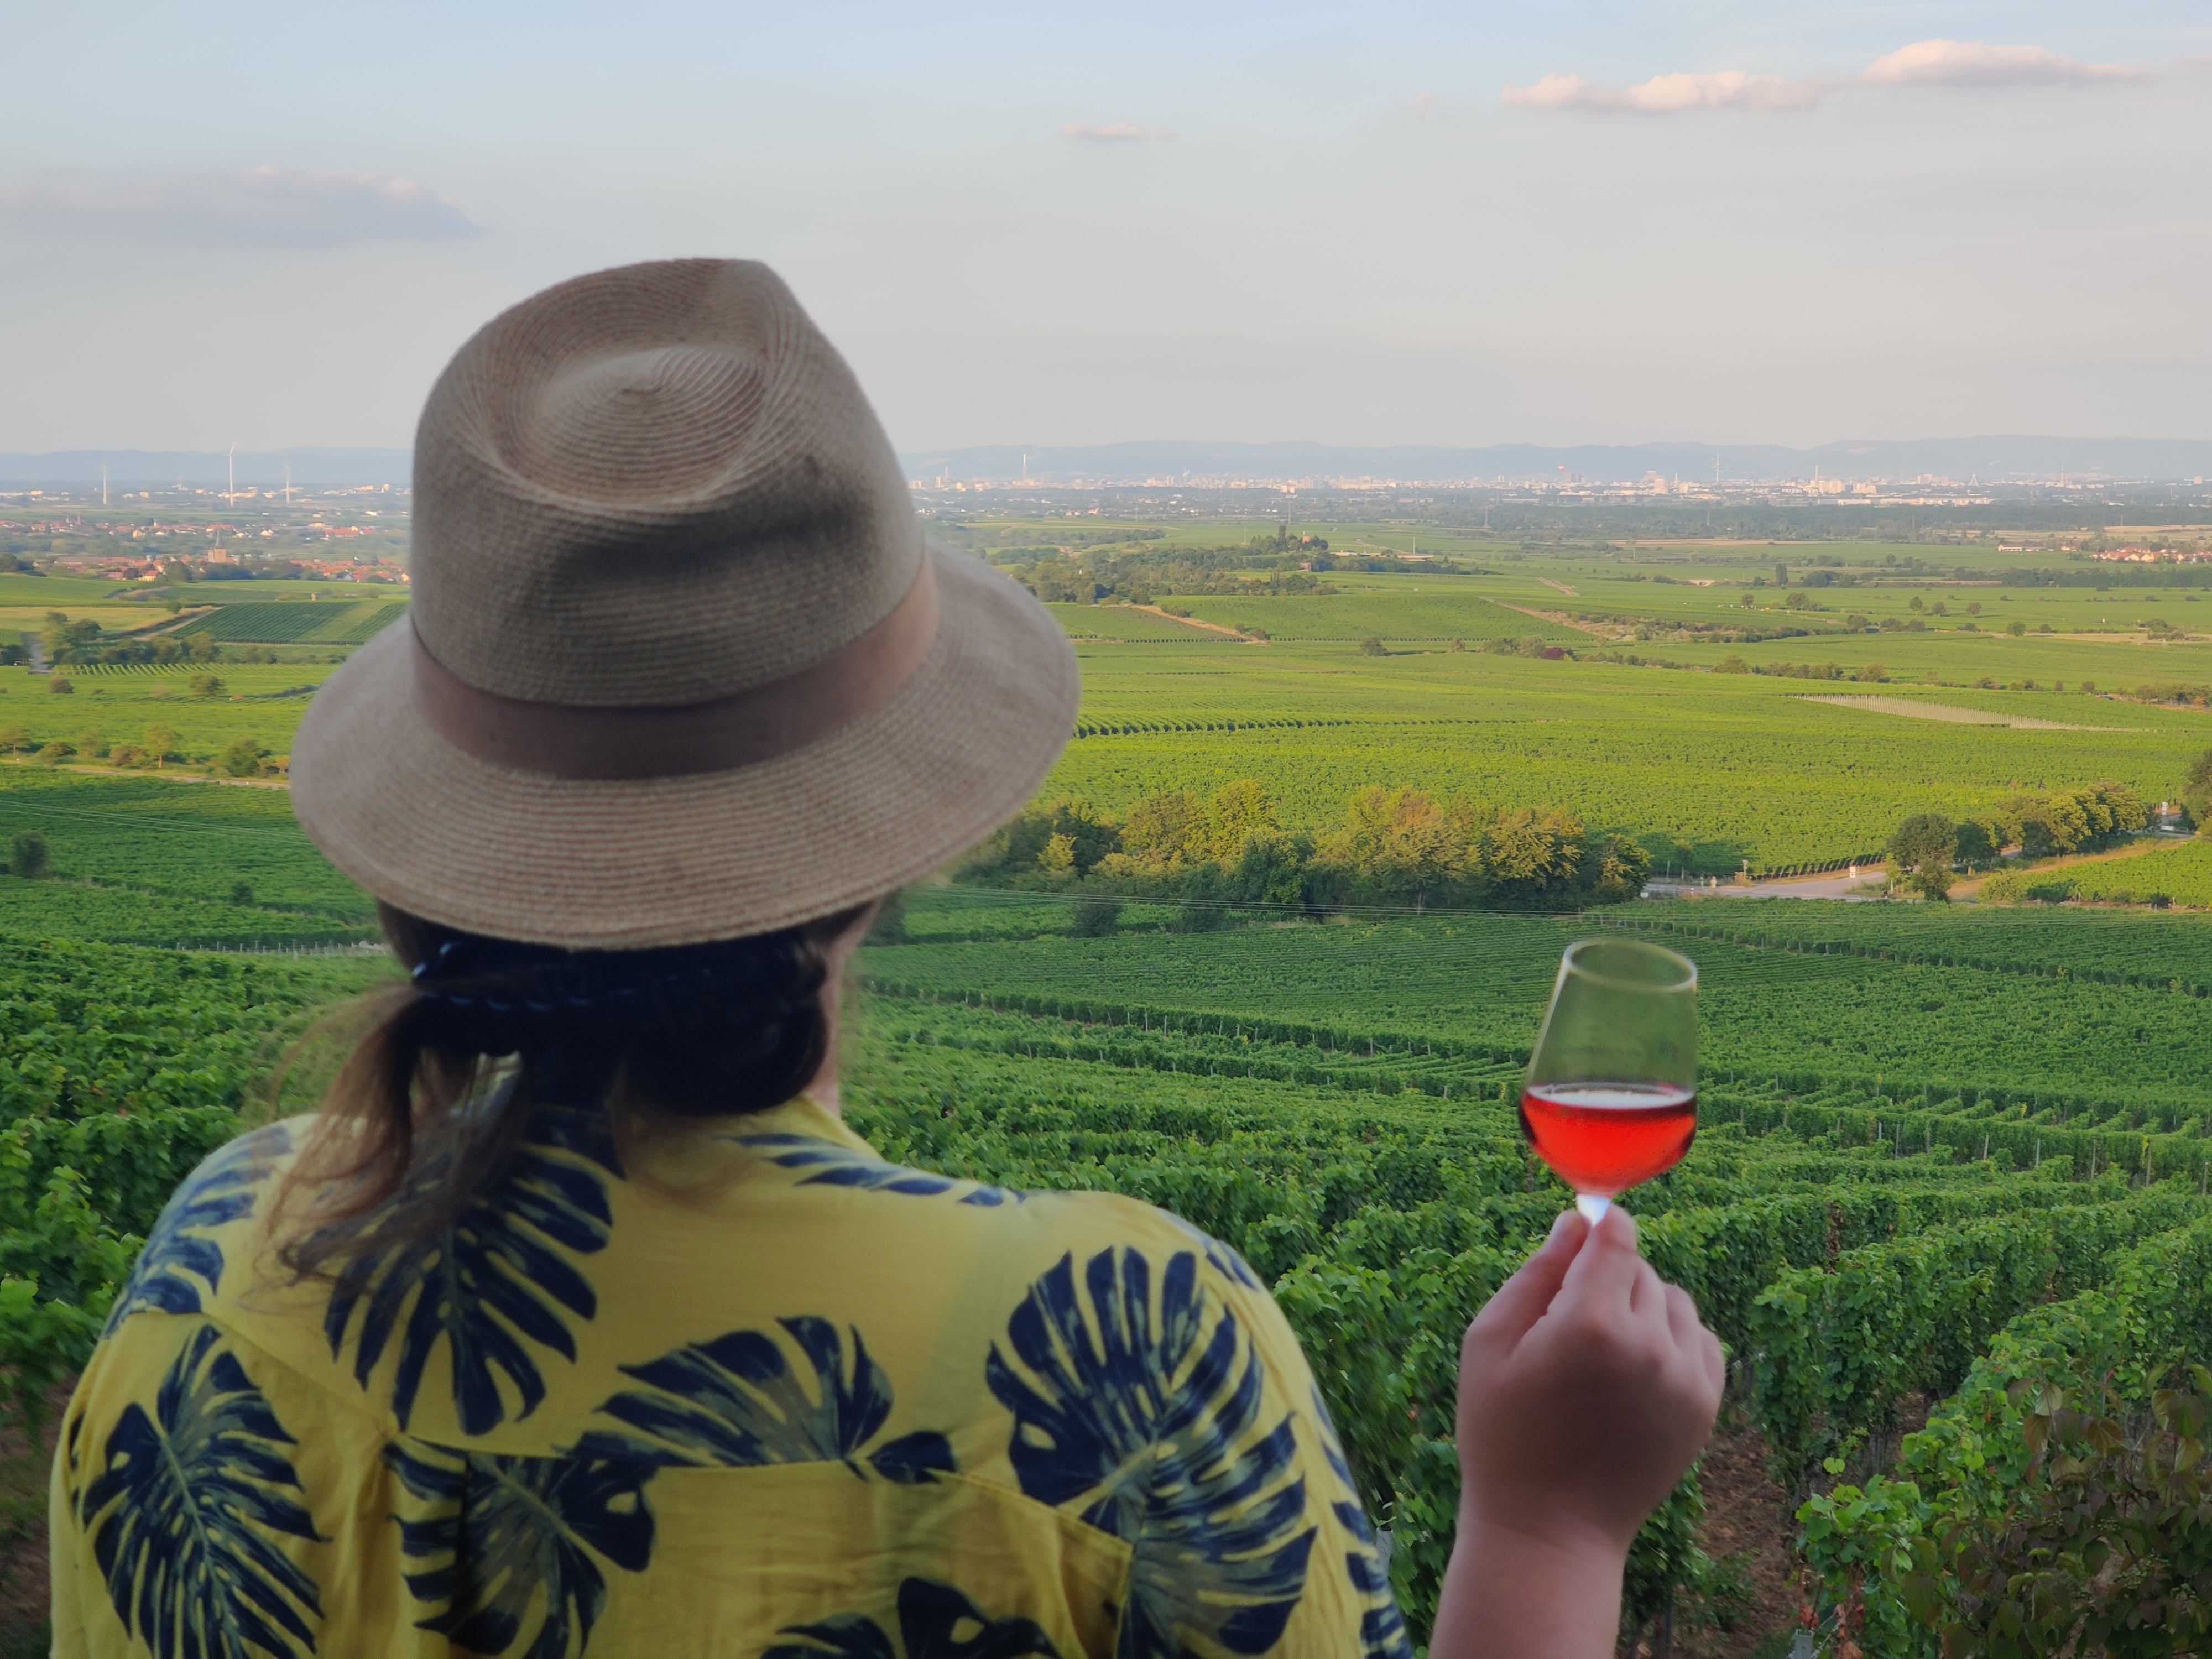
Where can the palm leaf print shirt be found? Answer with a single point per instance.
(763, 1393)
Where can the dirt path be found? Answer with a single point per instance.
(168, 777)
(1562, 586)
(1602, 630)
(1193, 622)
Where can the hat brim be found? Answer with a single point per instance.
(625, 864)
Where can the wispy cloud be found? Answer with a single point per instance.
(1977, 63)
(1113, 131)
(1924, 63)
(1671, 94)
(259, 207)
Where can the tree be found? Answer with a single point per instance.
(1240, 809)
(1372, 646)
(1873, 673)
(1977, 846)
(1167, 830)
(27, 855)
(2015, 628)
(1095, 917)
(243, 758)
(1920, 850)
(2196, 788)
(160, 742)
(12, 737)
(1781, 575)
(204, 685)
(241, 892)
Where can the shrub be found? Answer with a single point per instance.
(54, 753)
(27, 855)
(204, 685)
(1095, 917)
(59, 685)
(1372, 646)
(243, 758)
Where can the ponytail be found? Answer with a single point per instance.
(439, 1090)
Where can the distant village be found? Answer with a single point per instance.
(332, 536)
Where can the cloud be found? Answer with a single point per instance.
(1977, 63)
(1672, 94)
(1923, 63)
(1113, 131)
(260, 207)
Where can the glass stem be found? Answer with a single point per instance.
(1593, 1206)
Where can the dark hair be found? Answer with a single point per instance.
(439, 1089)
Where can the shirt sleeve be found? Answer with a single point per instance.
(1251, 1499)
(181, 1430)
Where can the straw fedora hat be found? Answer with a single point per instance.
(680, 665)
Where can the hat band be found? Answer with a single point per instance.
(573, 740)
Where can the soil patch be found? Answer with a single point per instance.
(24, 1595)
(1913, 709)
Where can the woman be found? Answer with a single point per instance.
(576, 1318)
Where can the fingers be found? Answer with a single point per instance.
(1682, 1319)
(1715, 1365)
(1606, 1271)
(1521, 1300)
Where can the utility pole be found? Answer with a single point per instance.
(103, 483)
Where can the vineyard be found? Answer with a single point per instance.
(292, 622)
(1958, 1205)
(1950, 1207)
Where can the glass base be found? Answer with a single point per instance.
(1593, 1206)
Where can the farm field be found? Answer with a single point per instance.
(1944, 1150)
(183, 841)
(1335, 1103)
(120, 702)
(292, 621)
(1714, 769)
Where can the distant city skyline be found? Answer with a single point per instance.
(1583, 224)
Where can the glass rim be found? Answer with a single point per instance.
(1687, 970)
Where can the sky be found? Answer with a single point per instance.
(1581, 222)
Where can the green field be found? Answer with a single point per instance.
(292, 622)
(262, 700)
(1949, 1156)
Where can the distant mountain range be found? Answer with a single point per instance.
(1988, 459)
(142, 468)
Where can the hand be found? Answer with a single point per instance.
(1586, 1387)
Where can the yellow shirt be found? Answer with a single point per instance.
(764, 1395)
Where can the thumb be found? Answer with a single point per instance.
(1520, 1301)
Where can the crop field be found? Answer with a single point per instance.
(119, 703)
(1720, 768)
(292, 622)
(2175, 875)
(183, 841)
(1952, 1163)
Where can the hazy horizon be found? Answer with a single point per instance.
(1586, 225)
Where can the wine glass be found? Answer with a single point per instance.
(1611, 1096)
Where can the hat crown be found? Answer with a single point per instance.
(655, 485)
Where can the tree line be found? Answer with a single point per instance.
(1927, 851)
(1394, 847)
